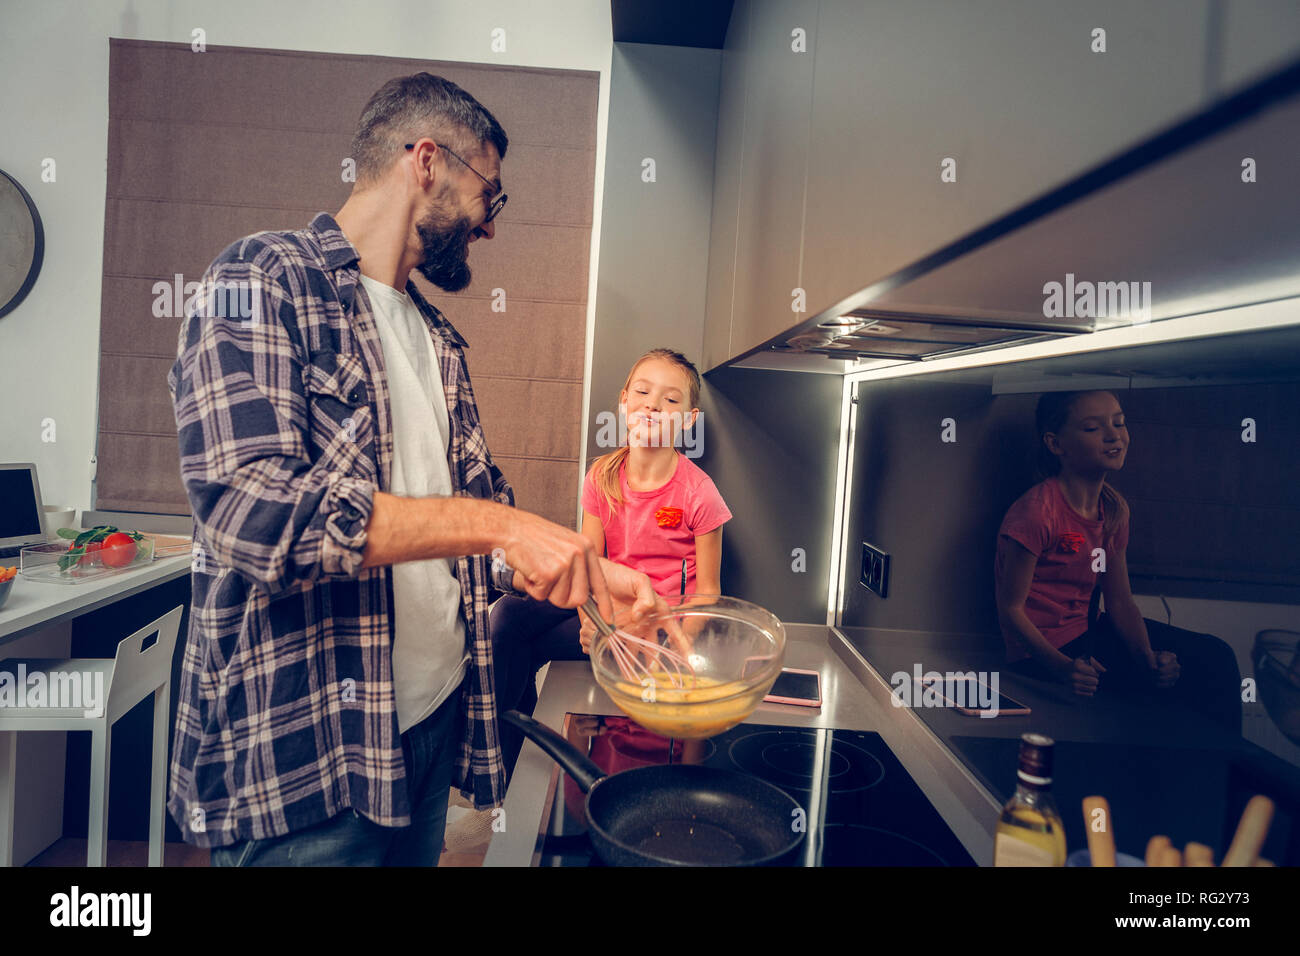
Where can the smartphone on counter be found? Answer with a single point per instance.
(963, 694)
(794, 686)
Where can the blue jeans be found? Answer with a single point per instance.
(349, 839)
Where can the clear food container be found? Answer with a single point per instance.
(51, 562)
(169, 545)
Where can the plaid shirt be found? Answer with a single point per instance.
(286, 712)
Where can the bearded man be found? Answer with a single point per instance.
(337, 676)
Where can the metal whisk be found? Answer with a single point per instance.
(636, 656)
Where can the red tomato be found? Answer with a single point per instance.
(118, 550)
(88, 559)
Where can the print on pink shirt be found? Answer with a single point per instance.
(669, 517)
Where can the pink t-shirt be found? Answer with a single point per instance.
(1044, 523)
(652, 531)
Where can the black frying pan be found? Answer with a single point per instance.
(676, 815)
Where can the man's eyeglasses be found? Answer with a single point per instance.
(495, 206)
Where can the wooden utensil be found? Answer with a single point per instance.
(1198, 854)
(1101, 841)
(1169, 856)
(1251, 831)
(1155, 847)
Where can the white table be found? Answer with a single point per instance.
(36, 605)
(43, 612)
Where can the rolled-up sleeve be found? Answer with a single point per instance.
(347, 508)
(263, 503)
(503, 577)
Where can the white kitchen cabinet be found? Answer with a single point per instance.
(837, 181)
(727, 169)
(783, 36)
(1252, 37)
(1010, 90)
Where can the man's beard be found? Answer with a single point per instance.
(446, 251)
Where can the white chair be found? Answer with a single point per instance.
(133, 674)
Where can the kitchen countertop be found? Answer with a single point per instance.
(33, 605)
(1162, 769)
(966, 806)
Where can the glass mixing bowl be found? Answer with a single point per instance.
(732, 651)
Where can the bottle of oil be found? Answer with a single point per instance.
(1030, 832)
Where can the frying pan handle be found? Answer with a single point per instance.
(575, 763)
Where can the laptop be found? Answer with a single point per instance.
(22, 519)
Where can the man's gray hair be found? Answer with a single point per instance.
(407, 108)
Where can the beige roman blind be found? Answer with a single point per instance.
(204, 148)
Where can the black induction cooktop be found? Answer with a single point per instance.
(862, 807)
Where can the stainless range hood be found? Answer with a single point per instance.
(1167, 229)
(873, 334)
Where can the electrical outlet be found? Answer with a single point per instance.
(875, 569)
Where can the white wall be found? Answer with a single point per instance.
(54, 67)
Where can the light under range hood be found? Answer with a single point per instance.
(1170, 218)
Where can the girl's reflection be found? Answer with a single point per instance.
(1064, 540)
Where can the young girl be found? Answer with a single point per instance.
(645, 505)
(1068, 535)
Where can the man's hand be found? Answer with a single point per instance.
(555, 564)
(1167, 669)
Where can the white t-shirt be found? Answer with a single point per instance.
(429, 653)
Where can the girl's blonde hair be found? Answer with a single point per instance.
(604, 470)
(1054, 409)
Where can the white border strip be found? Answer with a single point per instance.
(593, 269)
(843, 464)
